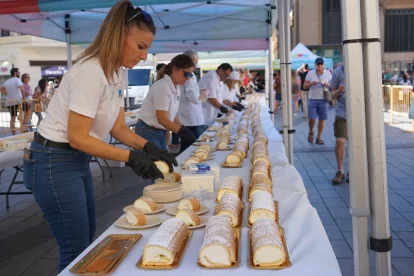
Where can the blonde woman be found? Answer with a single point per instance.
(88, 107)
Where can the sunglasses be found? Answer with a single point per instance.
(319, 63)
(27, 77)
(187, 74)
(147, 16)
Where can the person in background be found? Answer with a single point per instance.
(40, 97)
(405, 80)
(211, 82)
(246, 77)
(14, 90)
(27, 104)
(303, 72)
(89, 107)
(159, 67)
(296, 95)
(190, 111)
(316, 81)
(277, 87)
(160, 107)
(230, 90)
(340, 130)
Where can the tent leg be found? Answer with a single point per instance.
(288, 79)
(270, 75)
(283, 76)
(68, 47)
(377, 168)
(357, 149)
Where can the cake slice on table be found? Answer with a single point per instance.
(230, 205)
(145, 204)
(136, 217)
(266, 242)
(162, 166)
(230, 185)
(165, 243)
(219, 245)
(193, 160)
(191, 203)
(188, 216)
(222, 145)
(262, 206)
(259, 184)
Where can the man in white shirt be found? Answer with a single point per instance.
(190, 112)
(13, 88)
(211, 82)
(317, 81)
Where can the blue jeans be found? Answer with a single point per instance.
(62, 185)
(203, 128)
(157, 136)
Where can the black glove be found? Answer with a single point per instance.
(223, 109)
(186, 136)
(143, 165)
(151, 149)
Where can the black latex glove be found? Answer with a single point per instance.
(151, 149)
(186, 136)
(223, 109)
(143, 165)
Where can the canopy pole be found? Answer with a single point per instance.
(377, 164)
(267, 80)
(288, 80)
(357, 144)
(270, 74)
(68, 47)
(283, 76)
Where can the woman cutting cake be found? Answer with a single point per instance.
(88, 107)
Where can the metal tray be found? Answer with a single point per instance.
(105, 257)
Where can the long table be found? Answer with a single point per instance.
(310, 250)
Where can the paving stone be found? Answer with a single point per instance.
(344, 224)
(327, 219)
(401, 224)
(400, 250)
(324, 187)
(320, 208)
(8, 272)
(403, 207)
(52, 254)
(329, 194)
(404, 266)
(409, 216)
(405, 192)
(312, 191)
(42, 267)
(340, 213)
(394, 213)
(334, 202)
(333, 232)
(347, 266)
(341, 249)
(407, 238)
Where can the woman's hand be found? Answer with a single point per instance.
(152, 150)
(186, 136)
(143, 165)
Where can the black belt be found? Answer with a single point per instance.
(39, 139)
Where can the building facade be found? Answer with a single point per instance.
(317, 24)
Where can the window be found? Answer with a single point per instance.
(5, 33)
(399, 31)
(331, 22)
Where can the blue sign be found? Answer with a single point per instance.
(54, 71)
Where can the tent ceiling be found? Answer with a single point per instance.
(179, 24)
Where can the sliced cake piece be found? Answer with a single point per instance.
(145, 204)
(136, 217)
(230, 185)
(191, 203)
(230, 205)
(188, 216)
(262, 206)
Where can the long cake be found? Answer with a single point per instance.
(262, 206)
(165, 243)
(219, 245)
(230, 205)
(259, 184)
(231, 185)
(266, 242)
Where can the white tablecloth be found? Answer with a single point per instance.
(310, 250)
(9, 159)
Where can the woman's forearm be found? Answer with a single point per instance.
(169, 125)
(97, 148)
(128, 137)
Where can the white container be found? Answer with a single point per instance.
(197, 181)
(207, 166)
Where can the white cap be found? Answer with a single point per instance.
(234, 76)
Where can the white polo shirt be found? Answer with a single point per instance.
(85, 90)
(14, 94)
(163, 95)
(190, 111)
(316, 91)
(211, 82)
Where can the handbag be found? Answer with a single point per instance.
(326, 91)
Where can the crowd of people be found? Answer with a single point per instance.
(18, 91)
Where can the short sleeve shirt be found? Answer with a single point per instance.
(163, 96)
(84, 89)
(211, 82)
(14, 94)
(338, 79)
(316, 91)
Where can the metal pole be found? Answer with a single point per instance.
(377, 168)
(288, 79)
(357, 147)
(267, 80)
(270, 75)
(283, 77)
(68, 47)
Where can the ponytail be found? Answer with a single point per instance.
(180, 61)
(165, 70)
